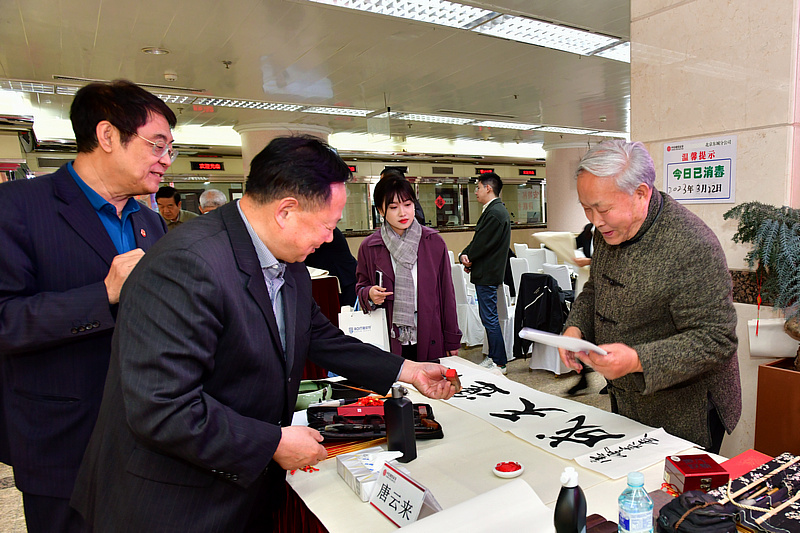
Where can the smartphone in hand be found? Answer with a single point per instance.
(379, 278)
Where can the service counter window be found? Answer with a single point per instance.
(356, 214)
(447, 204)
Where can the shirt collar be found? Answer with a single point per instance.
(97, 201)
(487, 204)
(265, 257)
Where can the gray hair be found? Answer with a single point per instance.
(628, 163)
(213, 198)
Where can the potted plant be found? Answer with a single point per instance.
(774, 233)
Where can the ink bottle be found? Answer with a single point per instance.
(398, 412)
(570, 513)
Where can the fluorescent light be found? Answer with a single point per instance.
(559, 129)
(545, 34)
(618, 134)
(246, 104)
(508, 125)
(176, 99)
(27, 86)
(416, 117)
(66, 90)
(439, 12)
(343, 111)
(621, 52)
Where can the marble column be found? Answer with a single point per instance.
(256, 136)
(564, 212)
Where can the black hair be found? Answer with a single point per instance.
(492, 180)
(392, 171)
(123, 103)
(301, 166)
(392, 186)
(169, 192)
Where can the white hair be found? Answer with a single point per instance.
(212, 198)
(628, 163)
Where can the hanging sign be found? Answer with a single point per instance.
(701, 170)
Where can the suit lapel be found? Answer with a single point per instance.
(247, 261)
(81, 216)
(145, 234)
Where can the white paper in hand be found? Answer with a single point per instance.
(560, 341)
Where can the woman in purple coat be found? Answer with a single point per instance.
(416, 286)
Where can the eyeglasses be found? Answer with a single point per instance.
(160, 149)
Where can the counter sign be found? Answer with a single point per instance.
(204, 165)
(701, 170)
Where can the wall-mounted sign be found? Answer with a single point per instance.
(701, 170)
(352, 168)
(207, 165)
(527, 172)
(483, 170)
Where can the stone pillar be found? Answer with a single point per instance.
(564, 212)
(258, 135)
(709, 68)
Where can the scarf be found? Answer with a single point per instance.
(404, 252)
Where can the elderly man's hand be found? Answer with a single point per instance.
(620, 360)
(570, 359)
(429, 379)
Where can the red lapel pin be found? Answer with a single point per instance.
(144, 233)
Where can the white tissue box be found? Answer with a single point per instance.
(352, 467)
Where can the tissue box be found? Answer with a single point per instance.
(359, 477)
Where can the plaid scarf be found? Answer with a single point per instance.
(404, 252)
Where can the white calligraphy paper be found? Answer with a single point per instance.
(639, 452)
(560, 426)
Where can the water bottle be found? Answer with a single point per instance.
(635, 507)
(570, 514)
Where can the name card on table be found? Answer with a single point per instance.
(401, 499)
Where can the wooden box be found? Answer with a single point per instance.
(778, 408)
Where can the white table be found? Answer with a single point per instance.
(457, 468)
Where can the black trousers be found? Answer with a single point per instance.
(45, 514)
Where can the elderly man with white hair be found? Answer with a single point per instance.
(212, 199)
(658, 300)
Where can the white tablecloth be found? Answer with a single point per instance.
(457, 468)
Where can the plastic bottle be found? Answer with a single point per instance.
(570, 514)
(398, 412)
(635, 507)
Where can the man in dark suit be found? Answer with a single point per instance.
(215, 328)
(485, 258)
(69, 241)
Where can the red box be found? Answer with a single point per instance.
(694, 472)
(360, 410)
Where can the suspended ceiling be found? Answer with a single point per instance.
(293, 51)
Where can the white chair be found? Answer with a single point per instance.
(505, 315)
(550, 256)
(452, 257)
(561, 275)
(535, 257)
(519, 266)
(518, 249)
(469, 320)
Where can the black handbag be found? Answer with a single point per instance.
(696, 511)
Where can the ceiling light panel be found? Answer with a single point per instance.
(246, 104)
(621, 52)
(177, 99)
(415, 117)
(27, 86)
(507, 125)
(618, 134)
(66, 90)
(343, 111)
(439, 12)
(545, 34)
(558, 129)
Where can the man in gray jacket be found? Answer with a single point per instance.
(658, 300)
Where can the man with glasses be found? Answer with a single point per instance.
(69, 241)
(169, 205)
